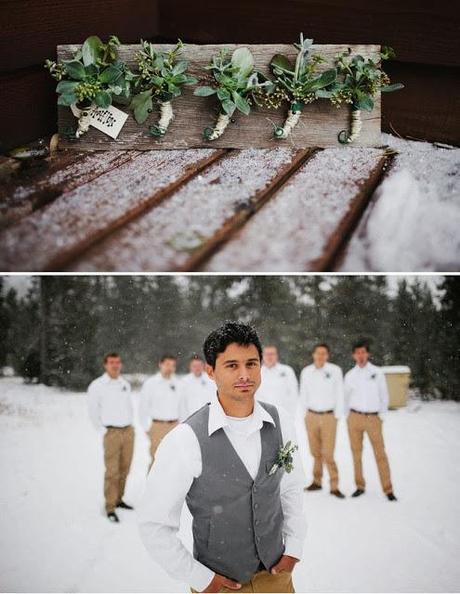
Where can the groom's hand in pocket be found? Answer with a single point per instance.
(219, 581)
(286, 563)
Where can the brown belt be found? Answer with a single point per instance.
(162, 421)
(115, 427)
(360, 412)
(320, 412)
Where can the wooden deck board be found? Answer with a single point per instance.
(43, 181)
(183, 230)
(48, 238)
(300, 227)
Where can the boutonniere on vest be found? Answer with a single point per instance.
(284, 458)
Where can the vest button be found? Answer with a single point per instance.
(256, 505)
(254, 489)
(256, 522)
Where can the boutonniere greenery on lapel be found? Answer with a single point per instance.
(373, 376)
(360, 81)
(284, 458)
(234, 80)
(93, 78)
(327, 375)
(298, 84)
(160, 79)
(282, 374)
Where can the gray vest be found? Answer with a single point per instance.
(237, 521)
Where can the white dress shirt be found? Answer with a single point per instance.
(110, 402)
(159, 400)
(178, 462)
(279, 386)
(321, 388)
(366, 389)
(195, 391)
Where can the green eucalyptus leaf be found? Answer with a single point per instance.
(110, 75)
(241, 103)
(228, 106)
(363, 101)
(66, 86)
(324, 80)
(281, 62)
(67, 99)
(243, 59)
(204, 91)
(223, 94)
(75, 70)
(180, 67)
(142, 105)
(91, 50)
(103, 99)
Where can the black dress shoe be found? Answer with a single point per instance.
(358, 492)
(391, 497)
(124, 505)
(113, 517)
(313, 487)
(338, 494)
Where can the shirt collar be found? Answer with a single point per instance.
(368, 367)
(218, 418)
(106, 378)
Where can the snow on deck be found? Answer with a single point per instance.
(88, 210)
(55, 537)
(415, 219)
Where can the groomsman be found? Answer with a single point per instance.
(321, 393)
(196, 388)
(159, 403)
(111, 412)
(279, 383)
(225, 462)
(366, 398)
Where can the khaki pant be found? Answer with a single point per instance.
(372, 425)
(321, 431)
(264, 581)
(118, 453)
(157, 431)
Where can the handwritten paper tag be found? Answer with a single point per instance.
(108, 120)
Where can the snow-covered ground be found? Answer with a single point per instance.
(55, 537)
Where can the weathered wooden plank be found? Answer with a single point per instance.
(319, 125)
(41, 183)
(299, 228)
(413, 220)
(50, 237)
(181, 231)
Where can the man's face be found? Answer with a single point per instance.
(270, 356)
(167, 367)
(237, 372)
(196, 367)
(113, 366)
(320, 356)
(361, 356)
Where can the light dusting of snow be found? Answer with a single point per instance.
(291, 230)
(165, 237)
(51, 464)
(88, 209)
(414, 220)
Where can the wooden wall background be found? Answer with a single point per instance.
(423, 33)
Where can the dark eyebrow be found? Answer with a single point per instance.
(230, 361)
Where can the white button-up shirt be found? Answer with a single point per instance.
(178, 462)
(321, 388)
(159, 400)
(195, 391)
(279, 387)
(110, 402)
(366, 389)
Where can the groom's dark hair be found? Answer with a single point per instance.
(228, 333)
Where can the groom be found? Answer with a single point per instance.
(248, 521)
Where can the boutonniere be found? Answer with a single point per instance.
(90, 82)
(282, 374)
(172, 387)
(327, 375)
(234, 80)
(124, 388)
(284, 458)
(160, 79)
(373, 376)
